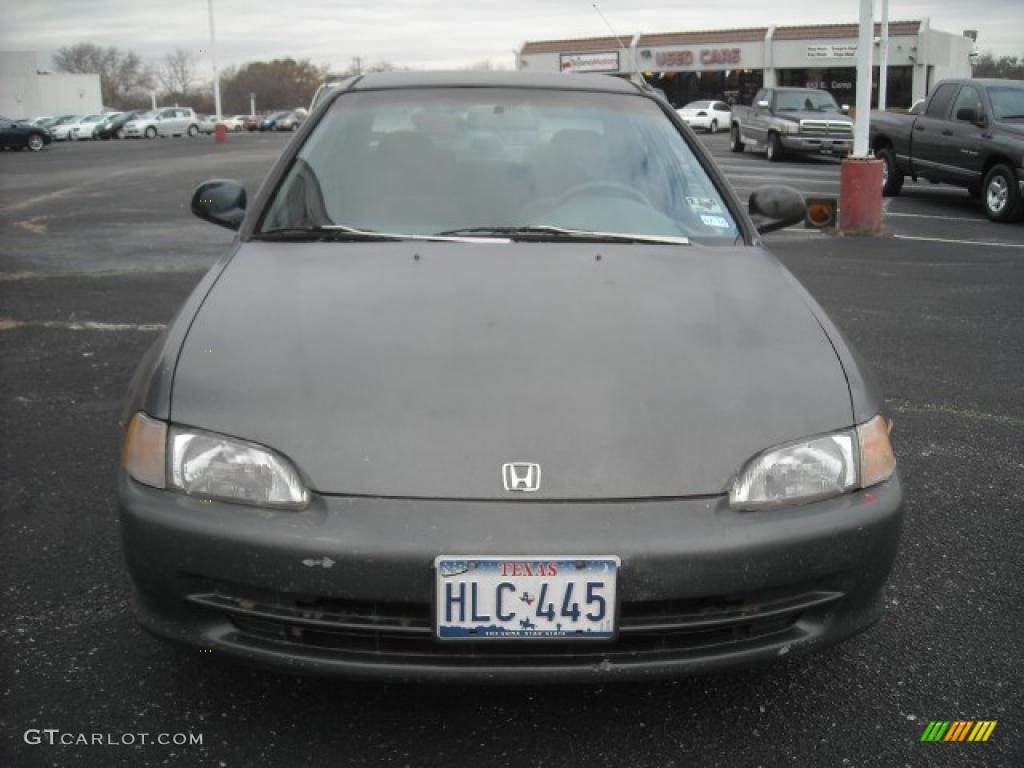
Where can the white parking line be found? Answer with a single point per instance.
(762, 170)
(933, 216)
(959, 242)
(7, 324)
(791, 179)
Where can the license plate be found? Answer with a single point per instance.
(515, 597)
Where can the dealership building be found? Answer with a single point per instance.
(733, 64)
(27, 92)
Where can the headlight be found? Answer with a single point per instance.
(788, 126)
(209, 465)
(816, 468)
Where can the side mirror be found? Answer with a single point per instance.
(967, 114)
(970, 115)
(775, 207)
(221, 202)
(845, 109)
(763, 104)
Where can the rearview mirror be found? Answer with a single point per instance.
(221, 202)
(845, 109)
(763, 104)
(775, 207)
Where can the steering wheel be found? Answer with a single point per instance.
(591, 187)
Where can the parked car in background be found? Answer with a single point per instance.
(781, 120)
(143, 126)
(166, 121)
(252, 122)
(41, 122)
(18, 135)
(86, 127)
(292, 121)
(113, 126)
(178, 121)
(207, 124)
(970, 133)
(61, 130)
(708, 115)
(235, 123)
(269, 122)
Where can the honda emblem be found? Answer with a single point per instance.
(521, 476)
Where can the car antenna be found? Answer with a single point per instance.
(607, 24)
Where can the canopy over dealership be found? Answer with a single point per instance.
(733, 64)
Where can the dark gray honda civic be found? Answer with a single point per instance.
(498, 382)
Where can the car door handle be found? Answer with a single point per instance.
(947, 132)
(918, 127)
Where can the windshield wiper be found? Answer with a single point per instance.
(548, 231)
(343, 232)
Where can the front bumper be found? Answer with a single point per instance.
(701, 586)
(817, 144)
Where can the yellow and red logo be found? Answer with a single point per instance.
(958, 730)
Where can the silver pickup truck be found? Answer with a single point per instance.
(785, 120)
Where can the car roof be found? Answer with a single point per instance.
(987, 81)
(471, 79)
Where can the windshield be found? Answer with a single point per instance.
(146, 115)
(431, 161)
(1007, 102)
(805, 101)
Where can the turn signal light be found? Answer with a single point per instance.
(821, 213)
(145, 451)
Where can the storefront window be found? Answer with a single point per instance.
(735, 86)
(841, 82)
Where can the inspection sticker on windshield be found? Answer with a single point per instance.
(704, 205)
(714, 221)
(523, 597)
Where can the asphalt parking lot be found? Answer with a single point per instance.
(98, 249)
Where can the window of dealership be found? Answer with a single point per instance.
(732, 65)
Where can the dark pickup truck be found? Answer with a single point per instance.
(969, 133)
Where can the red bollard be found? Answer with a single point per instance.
(220, 131)
(860, 196)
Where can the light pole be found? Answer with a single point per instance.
(864, 50)
(252, 104)
(883, 57)
(861, 176)
(213, 56)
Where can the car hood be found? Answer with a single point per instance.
(419, 369)
(832, 117)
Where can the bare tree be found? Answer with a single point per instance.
(122, 73)
(177, 73)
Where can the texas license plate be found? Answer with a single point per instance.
(516, 597)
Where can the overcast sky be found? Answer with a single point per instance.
(438, 33)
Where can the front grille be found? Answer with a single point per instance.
(829, 128)
(396, 632)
